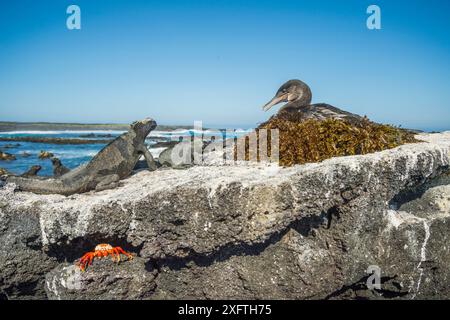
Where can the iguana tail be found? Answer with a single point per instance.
(40, 186)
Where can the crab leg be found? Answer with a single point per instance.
(130, 256)
(112, 253)
(85, 261)
(91, 256)
(116, 252)
(80, 265)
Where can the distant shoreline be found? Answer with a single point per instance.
(54, 140)
(8, 126)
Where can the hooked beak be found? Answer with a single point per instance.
(276, 100)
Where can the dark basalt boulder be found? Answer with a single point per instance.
(3, 172)
(180, 155)
(45, 155)
(7, 156)
(93, 135)
(11, 146)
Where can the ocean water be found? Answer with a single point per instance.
(71, 155)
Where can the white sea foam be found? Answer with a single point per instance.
(160, 134)
(189, 132)
(155, 133)
(75, 155)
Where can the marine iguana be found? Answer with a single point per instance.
(32, 172)
(58, 168)
(114, 162)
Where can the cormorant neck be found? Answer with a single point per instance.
(293, 105)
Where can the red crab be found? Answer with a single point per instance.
(102, 250)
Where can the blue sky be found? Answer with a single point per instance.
(220, 61)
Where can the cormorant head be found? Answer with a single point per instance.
(295, 92)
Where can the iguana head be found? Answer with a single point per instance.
(143, 127)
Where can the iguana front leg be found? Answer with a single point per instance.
(149, 158)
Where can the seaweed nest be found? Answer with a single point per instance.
(303, 141)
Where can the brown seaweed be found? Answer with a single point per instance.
(302, 141)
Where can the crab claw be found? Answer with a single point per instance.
(86, 260)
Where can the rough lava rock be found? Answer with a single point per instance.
(246, 231)
(104, 279)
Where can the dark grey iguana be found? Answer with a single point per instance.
(114, 162)
(32, 172)
(58, 168)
